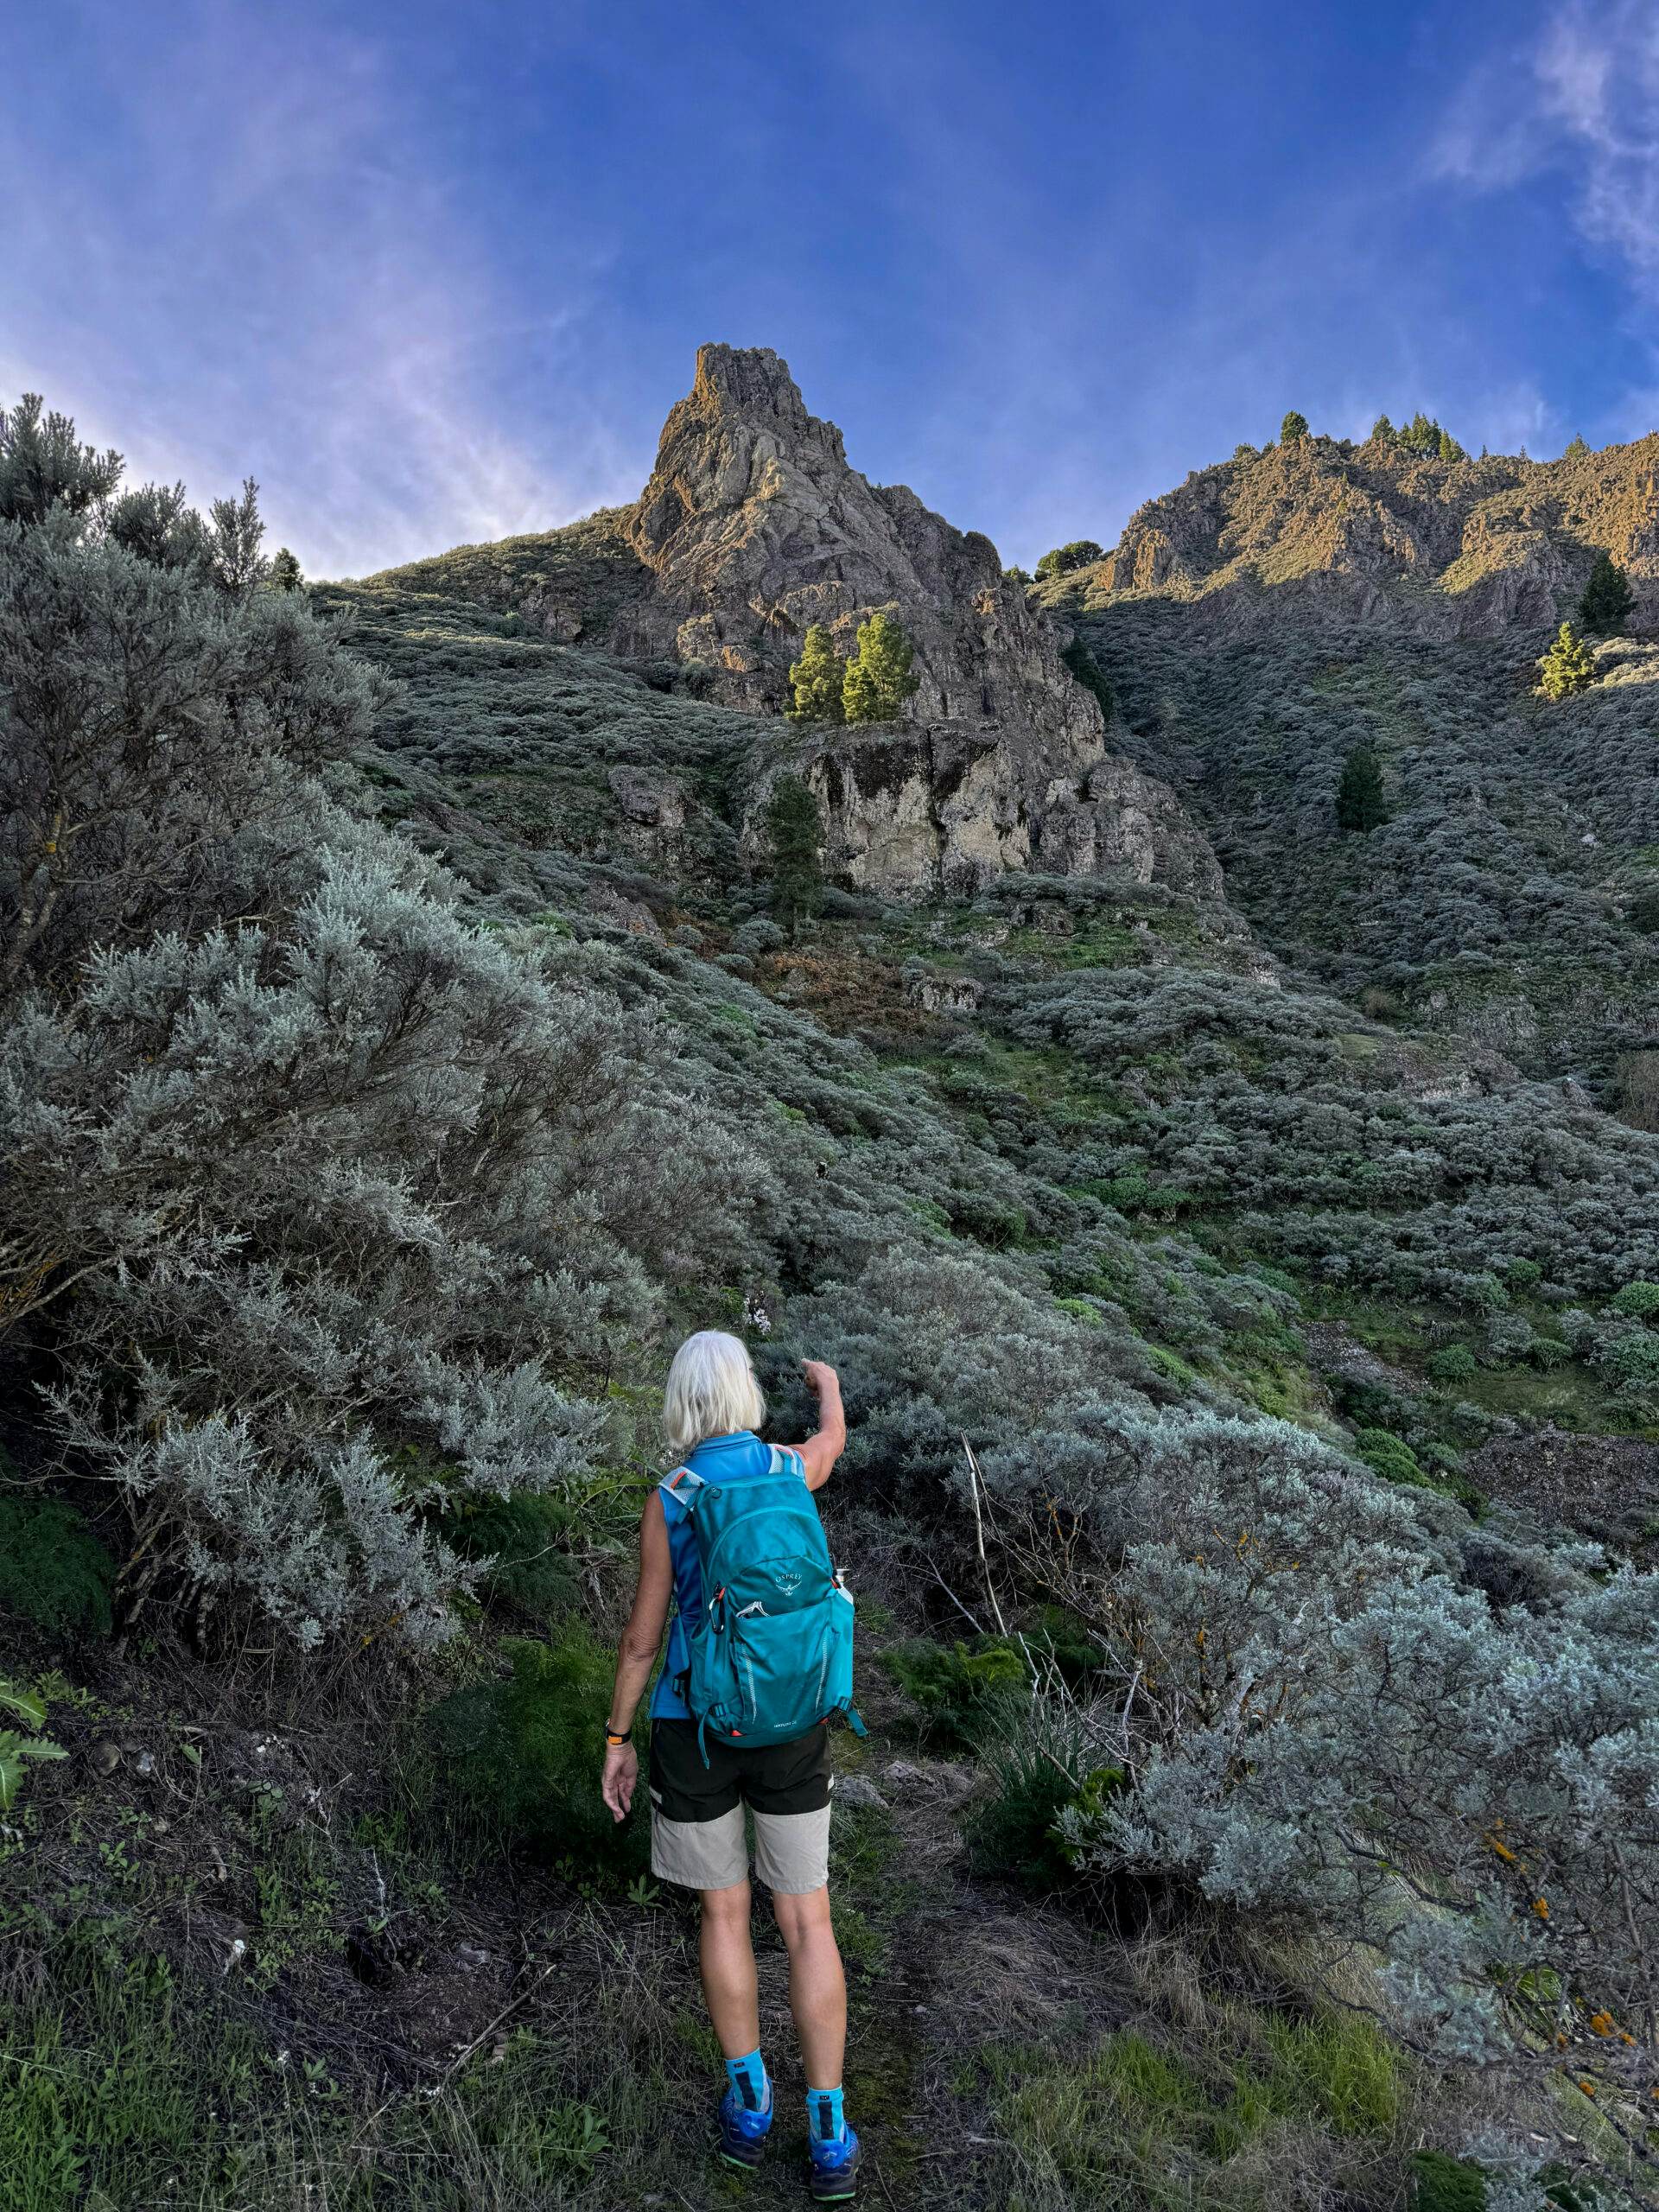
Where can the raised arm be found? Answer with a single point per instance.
(642, 1639)
(828, 1441)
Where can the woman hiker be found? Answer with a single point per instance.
(774, 1656)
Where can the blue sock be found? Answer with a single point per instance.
(824, 2115)
(748, 2077)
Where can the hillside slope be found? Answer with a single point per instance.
(1274, 614)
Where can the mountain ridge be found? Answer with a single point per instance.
(1379, 534)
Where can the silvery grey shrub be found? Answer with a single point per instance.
(1322, 1726)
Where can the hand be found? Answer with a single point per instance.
(617, 1784)
(821, 1377)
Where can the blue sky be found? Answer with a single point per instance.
(437, 272)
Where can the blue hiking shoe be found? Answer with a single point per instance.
(834, 2171)
(743, 2133)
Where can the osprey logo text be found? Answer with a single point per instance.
(788, 1580)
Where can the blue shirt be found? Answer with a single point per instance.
(739, 1458)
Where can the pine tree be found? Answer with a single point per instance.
(1361, 804)
(1576, 451)
(1566, 667)
(1449, 447)
(1293, 429)
(1608, 599)
(816, 680)
(879, 678)
(793, 832)
(285, 573)
(1382, 429)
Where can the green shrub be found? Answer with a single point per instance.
(958, 1686)
(1057, 1633)
(1389, 1456)
(1453, 1363)
(1440, 2183)
(53, 1569)
(1012, 1833)
(1088, 671)
(525, 1542)
(1362, 802)
(1639, 1299)
(1631, 1359)
(1060, 560)
(522, 1756)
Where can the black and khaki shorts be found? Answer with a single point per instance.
(697, 1811)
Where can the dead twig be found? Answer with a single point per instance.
(975, 1478)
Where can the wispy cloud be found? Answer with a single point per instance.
(282, 282)
(1599, 80)
(1578, 98)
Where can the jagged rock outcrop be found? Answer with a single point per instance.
(753, 525)
(947, 808)
(1324, 531)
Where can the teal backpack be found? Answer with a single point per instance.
(772, 1655)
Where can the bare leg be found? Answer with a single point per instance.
(817, 1989)
(728, 1982)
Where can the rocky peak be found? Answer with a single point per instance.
(753, 525)
(748, 383)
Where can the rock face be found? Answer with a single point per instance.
(1325, 530)
(947, 807)
(754, 526)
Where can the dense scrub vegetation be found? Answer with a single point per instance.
(1505, 894)
(428, 1047)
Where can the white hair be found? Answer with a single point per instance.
(712, 1390)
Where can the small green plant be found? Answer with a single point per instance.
(19, 1747)
(1452, 1363)
(1639, 1300)
(1012, 1833)
(957, 1686)
(1440, 2183)
(527, 1538)
(519, 1757)
(53, 1570)
(1389, 1456)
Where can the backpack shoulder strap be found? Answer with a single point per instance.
(786, 1462)
(681, 1485)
